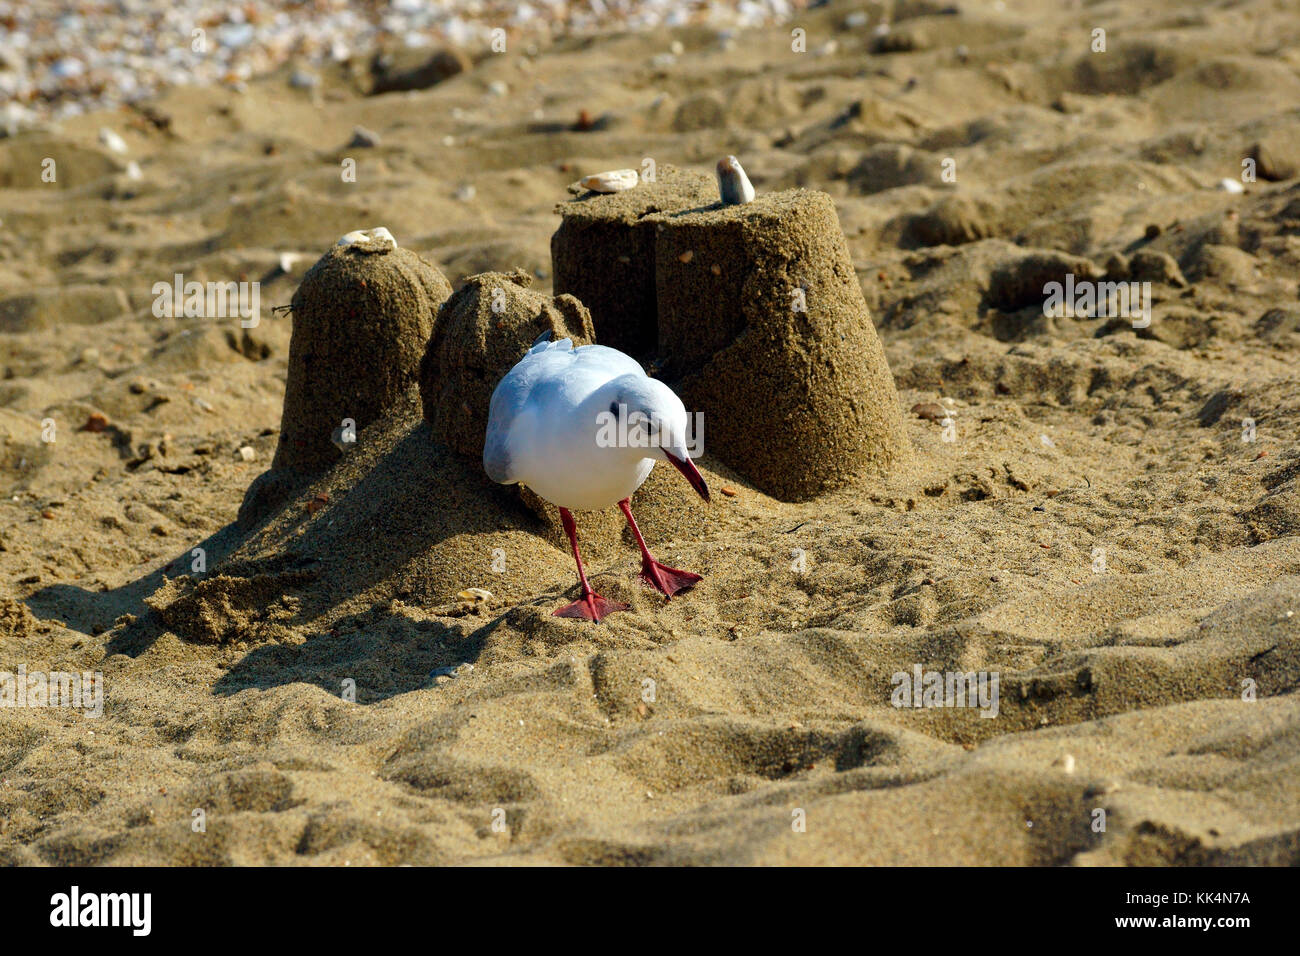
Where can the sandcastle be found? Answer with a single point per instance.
(603, 253)
(757, 320)
(361, 318)
(480, 333)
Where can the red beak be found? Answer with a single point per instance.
(690, 473)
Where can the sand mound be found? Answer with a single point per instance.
(480, 333)
(763, 325)
(361, 318)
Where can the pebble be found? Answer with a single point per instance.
(733, 185)
(96, 422)
(111, 140)
(363, 138)
(247, 452)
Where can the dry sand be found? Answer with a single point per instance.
(770, 736)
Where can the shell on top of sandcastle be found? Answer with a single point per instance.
(361, 318)
(761, 326)
(603, 252)
(480, 333)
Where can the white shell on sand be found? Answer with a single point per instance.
(1231, 186)
(613, 181)
(376, 235)
(112, 140)
(733, 185)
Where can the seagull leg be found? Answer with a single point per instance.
(591, 606)
(668, 581)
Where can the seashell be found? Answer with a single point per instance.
(1231, 186)
(112, 140)
(475, 594)
(733, 184)
(376, 239)
(613, 181)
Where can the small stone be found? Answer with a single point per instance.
(96, 422)
(112, 140)
(734, 186)
(930, 411)
(363, 138)
(729, 491)
(247, 452)
(686, 256)
(1065, 763)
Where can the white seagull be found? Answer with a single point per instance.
(582, 427)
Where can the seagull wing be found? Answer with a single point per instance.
(552, 374)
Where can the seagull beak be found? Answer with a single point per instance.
(690, 473)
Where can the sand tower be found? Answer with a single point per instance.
(759, 323)
(361, 318)
(603, 253)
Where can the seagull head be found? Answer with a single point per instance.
(649, 419)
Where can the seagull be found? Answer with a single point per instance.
(582, 427)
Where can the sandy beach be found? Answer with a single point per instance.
(1096, 516)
